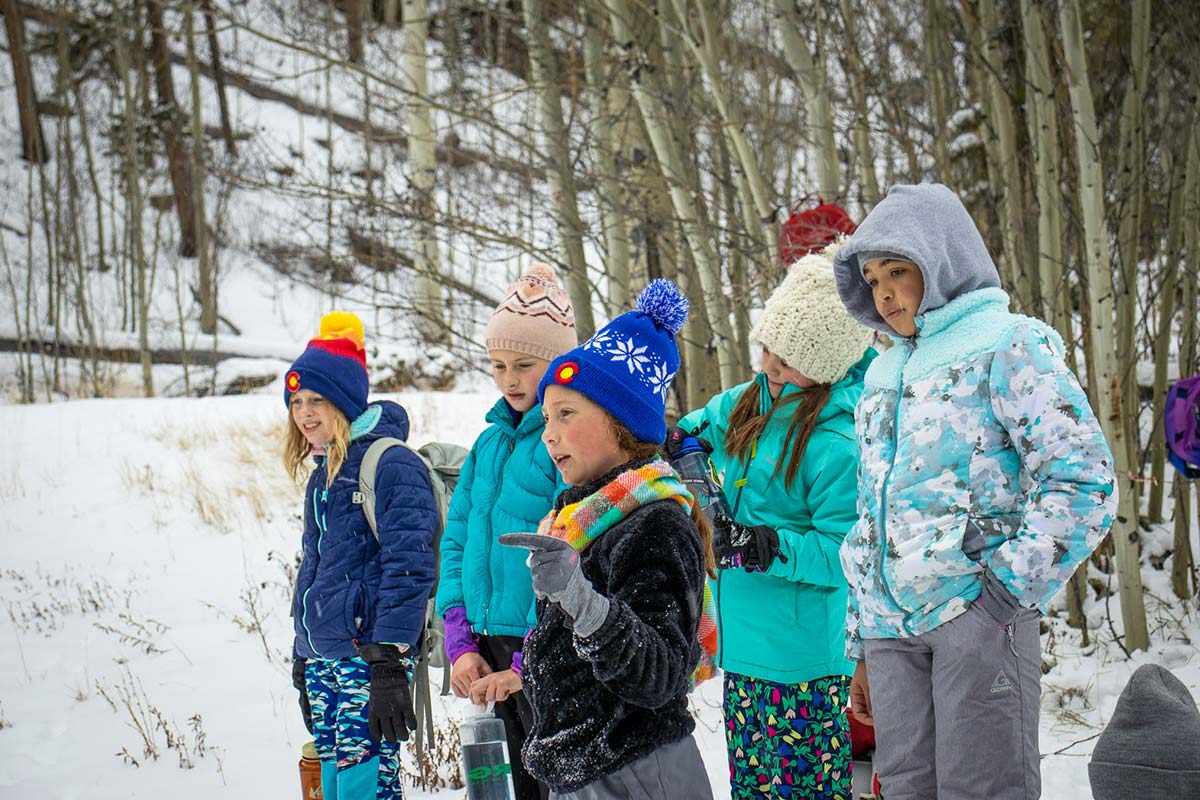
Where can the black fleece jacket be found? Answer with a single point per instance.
(604, 701)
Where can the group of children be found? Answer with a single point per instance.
(896, 522)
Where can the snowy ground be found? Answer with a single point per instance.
(148, 546)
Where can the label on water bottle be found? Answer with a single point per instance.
(487, 771)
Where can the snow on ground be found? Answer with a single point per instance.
(148, 548)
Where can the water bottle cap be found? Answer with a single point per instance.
(690, 445)
(309, 750)
(482, 711)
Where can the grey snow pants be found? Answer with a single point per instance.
(672, 771)
(956, 709)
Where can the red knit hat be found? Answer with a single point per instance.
(811, 231)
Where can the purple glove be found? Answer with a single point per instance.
(459, 636)
(518, 659)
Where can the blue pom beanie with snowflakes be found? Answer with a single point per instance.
(628, 365)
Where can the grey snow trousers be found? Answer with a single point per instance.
(956, 709)
(674, 770)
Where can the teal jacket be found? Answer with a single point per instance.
(788, 624)
(508, 483)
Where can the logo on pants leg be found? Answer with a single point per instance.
(1001, 684)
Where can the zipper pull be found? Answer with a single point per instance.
(1012, 645)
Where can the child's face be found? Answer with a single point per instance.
(313, 415)
(779, 373)
(898, 288)
(579, 436)
(517, 376)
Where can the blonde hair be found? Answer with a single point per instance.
(296, 448)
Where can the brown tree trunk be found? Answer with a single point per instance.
(172, 130)
(354, 31)
(33, 144)
(214, 53)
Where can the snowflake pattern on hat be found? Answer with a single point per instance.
(651, 372)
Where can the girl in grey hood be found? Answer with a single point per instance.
(984, 481)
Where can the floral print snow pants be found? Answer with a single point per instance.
(788, 740)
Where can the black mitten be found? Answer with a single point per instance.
(298, 667)
(754, 547)
(390, 714)
(676, 439)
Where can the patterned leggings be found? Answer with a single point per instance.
(788, 740)
(353, 766)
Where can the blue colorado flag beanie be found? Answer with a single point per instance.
(628, 365)
(334, 365)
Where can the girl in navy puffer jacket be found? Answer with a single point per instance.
(360, 600)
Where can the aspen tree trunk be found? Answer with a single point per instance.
(679, 178)
(214, 55)
(559, 172)
(1042, 115)
(1106, 379)
(1004, 154)
(1131, 180)
(816, 99)
(756, 194)
(617, 247)
(172, 130)
(422, 155)
(207, 280)
(940, 63)
(33, 144)
(1188, 351)
(133, 201)
(1181, 183)
(66, 79)
(865, 153)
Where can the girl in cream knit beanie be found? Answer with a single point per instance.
(806, 325)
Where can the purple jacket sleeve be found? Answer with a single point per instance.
(459, 636)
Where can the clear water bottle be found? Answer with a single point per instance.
(694, 466)
(486, 768)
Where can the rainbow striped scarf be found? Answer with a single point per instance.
(580, 524)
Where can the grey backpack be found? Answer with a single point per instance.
(444, 462)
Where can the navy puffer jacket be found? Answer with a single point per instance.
(354, 590)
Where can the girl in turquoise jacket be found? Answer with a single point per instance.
(507, 484)
(785, 445)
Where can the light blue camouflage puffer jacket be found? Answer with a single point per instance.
(978, 448)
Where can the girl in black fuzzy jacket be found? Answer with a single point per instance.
(619, 569)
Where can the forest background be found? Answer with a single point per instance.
(185, 185)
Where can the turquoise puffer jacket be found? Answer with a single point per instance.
(508, 483)
(788, 624)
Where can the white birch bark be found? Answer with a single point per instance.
(683, 200)
(816, 100)
(559, 173)
(1096, 268)
(422, 157)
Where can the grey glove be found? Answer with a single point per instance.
(558, 578)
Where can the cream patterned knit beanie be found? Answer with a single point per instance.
(535, 318)
(805, 323)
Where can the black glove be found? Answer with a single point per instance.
(676, 437)
(390, 714)
(298, 665)
(753, 547)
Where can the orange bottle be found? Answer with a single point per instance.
(310, 773)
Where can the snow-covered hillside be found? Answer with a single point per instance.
(148, 547)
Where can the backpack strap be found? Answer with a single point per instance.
(365, 496)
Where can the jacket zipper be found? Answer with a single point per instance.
(911, 344)
(319, 519)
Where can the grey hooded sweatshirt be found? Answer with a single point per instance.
(924, 223)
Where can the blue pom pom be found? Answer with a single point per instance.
(662, 301)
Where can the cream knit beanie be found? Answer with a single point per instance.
(535, 317)
(805, 323)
